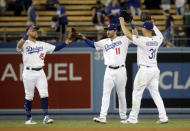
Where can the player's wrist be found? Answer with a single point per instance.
(25, 37)
(132, 26)
(84, 38)
(67, 41)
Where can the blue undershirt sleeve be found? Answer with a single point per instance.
(89, 42)
(60, 46)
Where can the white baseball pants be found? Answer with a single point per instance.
(114, 78)
(32, 79)
(147, 77)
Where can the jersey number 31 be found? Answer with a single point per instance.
(153, 53)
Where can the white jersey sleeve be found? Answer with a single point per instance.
(99, 45)
(158, 33)
(124, 38)
(49, 48)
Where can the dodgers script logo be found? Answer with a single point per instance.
(36, 49)
(112, 46)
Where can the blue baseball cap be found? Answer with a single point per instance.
(35, 27)
(111, 27)
(147, 25)
(56, 2)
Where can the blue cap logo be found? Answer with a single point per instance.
(111, 27)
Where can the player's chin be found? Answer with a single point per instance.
(36, 36)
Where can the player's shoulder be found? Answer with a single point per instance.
(104, 40)
(123, 37)
(137, 36)
(40, 42)
(158, 38)
(99, 11)
(27, 43)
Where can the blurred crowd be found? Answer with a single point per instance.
(109, 10)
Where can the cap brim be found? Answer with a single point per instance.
(109, 29)
(36, 28)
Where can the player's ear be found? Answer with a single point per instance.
(116, 32)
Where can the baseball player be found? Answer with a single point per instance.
(33, 53)
(114, 51)
(148, 73)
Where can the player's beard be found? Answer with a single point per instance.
(110, 35)
(35, 36)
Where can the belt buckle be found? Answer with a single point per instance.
(29, 68)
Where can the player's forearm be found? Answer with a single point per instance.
(134, 29)
(172, 27)
(125, 30)
(135, 32)
(89, 42)
(20, 43)
(99, 19)
(157, 32)
(62, 15)
(111, 14)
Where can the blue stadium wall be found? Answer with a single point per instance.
(174, 64)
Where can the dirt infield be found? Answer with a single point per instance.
(94, 129)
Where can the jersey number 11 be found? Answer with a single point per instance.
(117, 50)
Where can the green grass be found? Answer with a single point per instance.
(110, 124)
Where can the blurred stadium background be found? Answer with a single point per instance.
(75, 74)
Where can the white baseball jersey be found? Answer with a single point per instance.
(34, 53)
(114, 51)
(147, 48)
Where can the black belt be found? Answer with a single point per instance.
(144, 66)
(115, 67)
(35, 69)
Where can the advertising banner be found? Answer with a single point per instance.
(69, 81)
(174, 80)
